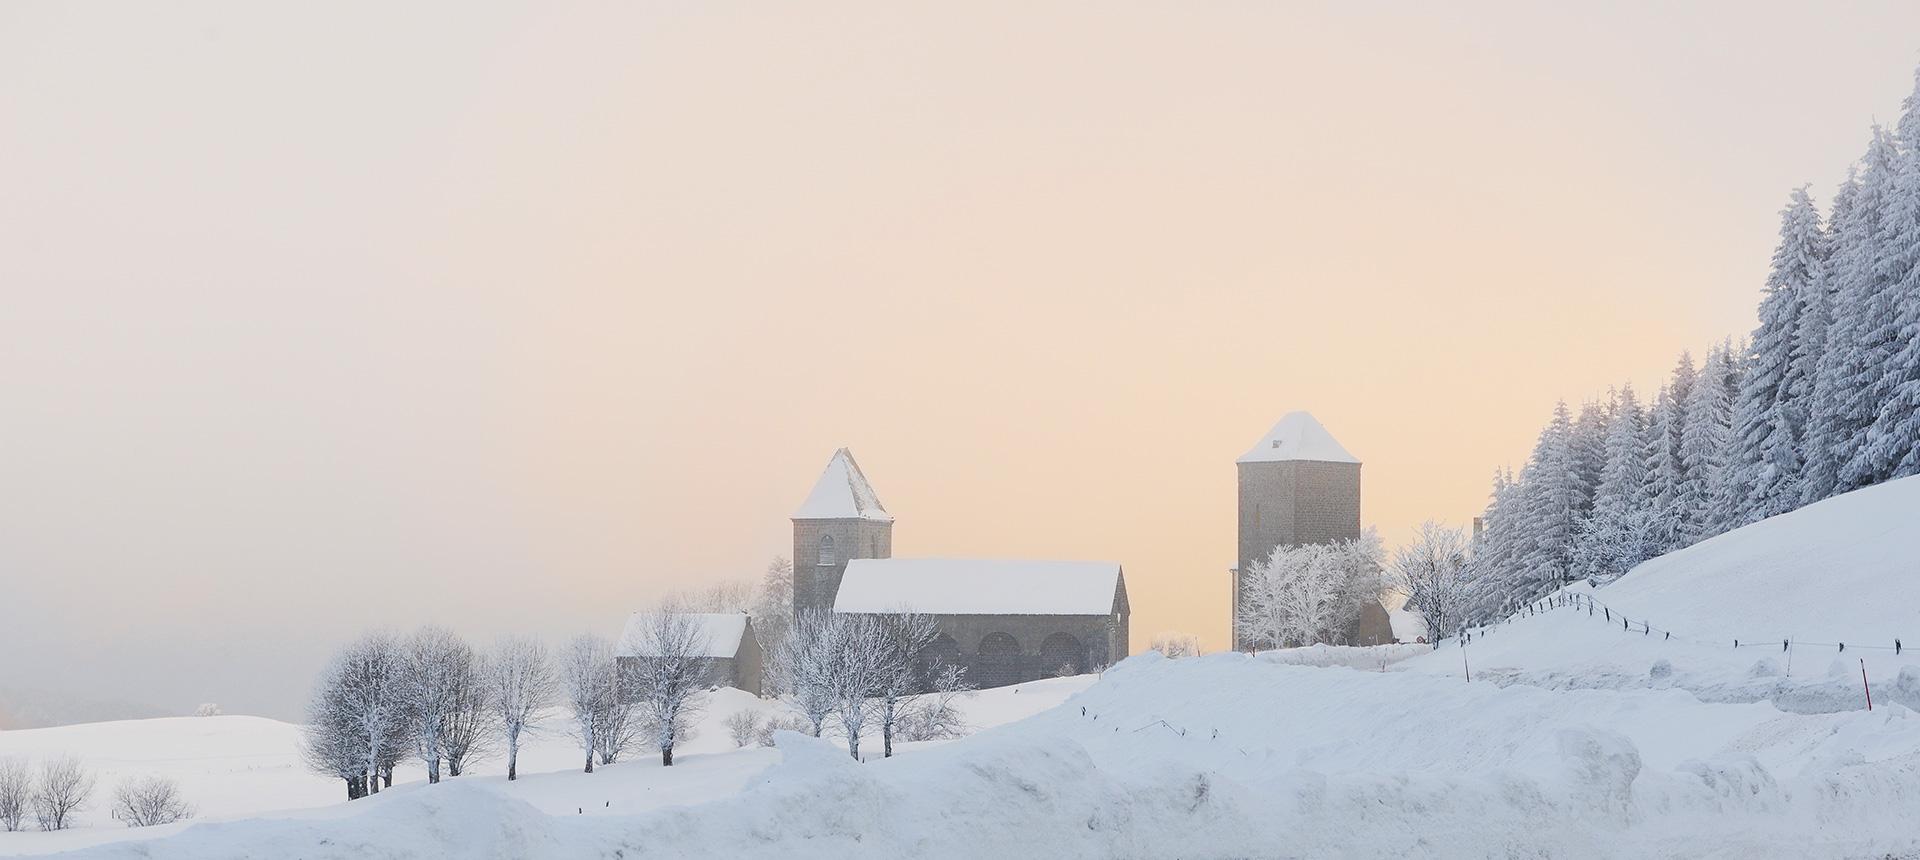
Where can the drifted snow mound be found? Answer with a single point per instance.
(1231, 756)
(1789, 590)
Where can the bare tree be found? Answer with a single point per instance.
(772, 619)
(150, 801)
(470, 723)
(806, 660)
(16, 792)
(207, 709)
(744, 727)
(727, 596)
(1432, 571)
(936, 716)
(622, 726)
(1176, 645)
(63, 787)
(904, 637)
(669, 672)
(520, 685)
(586, 670)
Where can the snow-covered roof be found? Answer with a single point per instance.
(723, 632)
(1408, 625)
(964, 586)
(1297, 437)
(842, 493)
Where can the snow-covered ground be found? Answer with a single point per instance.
(1574, 738)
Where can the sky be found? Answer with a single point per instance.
(516, 317)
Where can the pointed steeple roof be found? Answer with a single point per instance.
(1297, 437)
(842, 493)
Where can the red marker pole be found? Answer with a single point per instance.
(1863, 683)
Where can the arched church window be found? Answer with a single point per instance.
(826, 550)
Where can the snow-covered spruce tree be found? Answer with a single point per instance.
(1666, 467)
(1432, 570)
(16, 792)
(331, 743)
(905, 635)
(1492, 559)
(1550, 494)
(1618, 533)
(1891, 447)
(1701, 494)
(1811, 395)
(1770, 424)
(1588, 446)
(1860, 344)
(1299, 595)
(806, 660)
(669, 683)
(586, 673)
(520, 684)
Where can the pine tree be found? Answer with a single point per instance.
(1812, 355)
(1550, 494)
(1700, 493)
(1770, 428)
(1891, 446)
(1618, 534)
(1860, 345)
(1667, 468)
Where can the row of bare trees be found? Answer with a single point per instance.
(865, 669)
(53, 792)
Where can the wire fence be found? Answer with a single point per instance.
(1585, 603)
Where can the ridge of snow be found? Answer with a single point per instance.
(722, 630)
(959, 586)
(842, 493)
(1297, 436)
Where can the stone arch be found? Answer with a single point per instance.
(996, 662)
(1062, 654)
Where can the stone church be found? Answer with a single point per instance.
(1004, 621)
(1298, 485)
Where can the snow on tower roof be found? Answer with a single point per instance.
(963, 586)
(1297, 437)
(842, 493)
(722, 631)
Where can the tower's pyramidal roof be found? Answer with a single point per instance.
(1297, 437)
(842, 493)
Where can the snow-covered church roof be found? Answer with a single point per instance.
(842, 493)
(723, 632)
(1297, 437)
(961, 586)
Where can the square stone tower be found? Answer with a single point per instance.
(1297, 486)
(841, 519)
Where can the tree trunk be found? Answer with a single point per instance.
(513, 757)
(386, 776)
(373, 781)
(589, 761)
(666, 756)
(354, 787)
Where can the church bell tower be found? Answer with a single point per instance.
(841, 519)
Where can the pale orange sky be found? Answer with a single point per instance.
(514, 317)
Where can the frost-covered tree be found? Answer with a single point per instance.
(16, 792)
(772, 617)
(1299, 595)
(1890, 447)
(1493, 554)
(806, 660)
(1701, 495)
(60, 789)
(1550, 495)
(905, 636)
(668, 681)
(587, 674)
(936, 715)
(1174, 645)
(1667, 468)
(331, 742)
(1770, 423)
(858, 669)
(1432, 571)
(1619, 532)
(1811, 393)
(1860, 345)
(439, 688)
(372, 700)
(520, 684)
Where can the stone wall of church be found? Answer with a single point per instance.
(998, 650)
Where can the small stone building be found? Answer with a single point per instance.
(732, 651)
(1004, 621)
(1298, 485)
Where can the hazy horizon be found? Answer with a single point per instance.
(515, 318)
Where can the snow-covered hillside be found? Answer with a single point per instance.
(236, 767)
(1790, 590)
